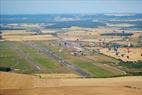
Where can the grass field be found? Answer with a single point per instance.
(82, 62)
(50, 64)
(9, 58)
(22, 57)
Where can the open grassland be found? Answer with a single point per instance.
(16, 84)
(10, 58)
(90, 67)
(94, 68)
(50, 64)
(23, 58)
(20, 56)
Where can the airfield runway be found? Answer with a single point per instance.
(59, 59)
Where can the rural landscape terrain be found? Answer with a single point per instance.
(70, 47)
(71, 54)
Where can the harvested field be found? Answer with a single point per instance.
(58, 76)
(28, 37)
(92, 35)
(15, 32)
(131, 54)
(22, 35)
(32, 85)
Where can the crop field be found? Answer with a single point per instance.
(22, 35)
(125, 54)
(31, 85)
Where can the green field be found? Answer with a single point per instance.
(9, 58)
(19, 55)
(82, 62)
(13, 59)
(50, 64)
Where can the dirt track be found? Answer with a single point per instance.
(18, 84)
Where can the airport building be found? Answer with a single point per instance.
(0, 35)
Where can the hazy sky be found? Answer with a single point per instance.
(69, 6)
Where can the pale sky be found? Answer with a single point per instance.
(69, 6)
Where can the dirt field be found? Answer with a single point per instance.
(28, 38)
(18, 84)
(22, 35)
(90, 35)
(58, 76)
(131, 54)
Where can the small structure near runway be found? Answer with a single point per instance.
(0, 35)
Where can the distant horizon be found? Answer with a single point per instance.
(71, 14)
(9, 7)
